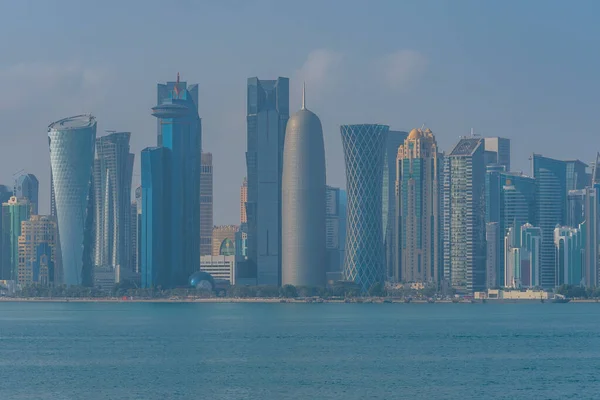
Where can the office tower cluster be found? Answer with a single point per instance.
(459, 221)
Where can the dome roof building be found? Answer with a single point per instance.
(303, 201)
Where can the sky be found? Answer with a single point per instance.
(525, 70)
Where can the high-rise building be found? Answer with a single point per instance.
(155, 247)
(177, 165)
(27, 187)
(206, 204)
(268, 110)
(464, 216)
(37, 250)
(551, 205)
(223, 237)
(394, 140)
(418, 241)
(522, 256)
(14, 212)
(243, 200)
(364, 152)
(590, 233)
(138, 204)
(575, 207)
(577, 176)
(71, 143)
(113, 171)
(303, 206)
(134, 239)
(332, 229)
(501, 147)
(570, 254)
(510, 199)
(492, 233)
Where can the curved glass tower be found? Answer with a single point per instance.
(364, 149)
(71, 142)
(303, 202)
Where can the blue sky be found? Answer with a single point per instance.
(526, 70)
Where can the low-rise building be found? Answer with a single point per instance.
(219, 267)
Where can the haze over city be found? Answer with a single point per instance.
(522, 70)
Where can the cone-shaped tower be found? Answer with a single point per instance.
(303, 201)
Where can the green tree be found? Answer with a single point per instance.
(289, 291)
(377, 290)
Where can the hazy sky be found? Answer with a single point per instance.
(526, 70)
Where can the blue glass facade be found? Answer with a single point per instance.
(364, 152)
(268, 110)
(177, 172)
(154, 245)
(27, 187)
(551, 204)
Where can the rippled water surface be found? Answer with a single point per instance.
(299, 351)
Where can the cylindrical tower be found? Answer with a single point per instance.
(71, 142)
(303, 201)
(364, 149)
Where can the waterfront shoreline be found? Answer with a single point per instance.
(268, 300)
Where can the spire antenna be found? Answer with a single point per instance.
(304, 95)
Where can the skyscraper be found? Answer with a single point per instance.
(393, 142)
(27, 187)
(177, 165)
(267, 115)
(501, 148)
(464, 216)
(37, 251)
(577, 176)
(590, 234)
(303, 205)
(332, 229)
(71, 143)
(419, 166)
(568, 244)
(113, 170)
(522, 256)
(551, 204)
(364, 152)
(243, 200)
(206, 204)
(155, 247)
(14, 212)
(575, 207)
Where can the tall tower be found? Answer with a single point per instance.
(14, 212)
(551, 204)
(206, 204)
(37, 251)
(393, 142)
(174, 169)
(243, 200)
(499, 150)
(113, 171)
(71, 143)
(267, 116)
(27, 187)
(364, 152)
(303, 201)
(418, 181)
(464, 216)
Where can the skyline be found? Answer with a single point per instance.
(465, 70)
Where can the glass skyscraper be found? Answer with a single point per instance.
(206, 204)
(268, 110)
(551, 205)
(14, 212)
(176, 170)
(499, 149)
(71, 143)
(464, 216)
(37, 251)
(27, 187)
(113, 169)
(364, 152)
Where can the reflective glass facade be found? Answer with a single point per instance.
(71, 143)
(27, 187)
(551, 204)
(268, 110)
(364, 152)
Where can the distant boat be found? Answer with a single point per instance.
(560, 299)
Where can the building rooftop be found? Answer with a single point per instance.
(466, 147)
(76, 122)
